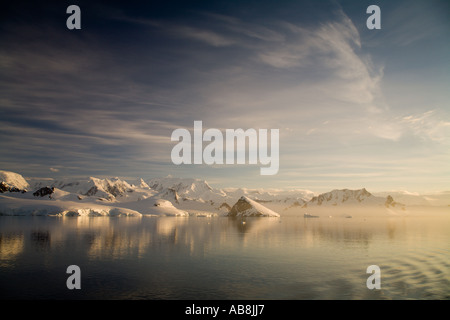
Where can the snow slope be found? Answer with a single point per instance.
(245, 207)
(13, 180)
(16, 206)
(155, 207)
(189, 189)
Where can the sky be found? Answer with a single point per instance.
(354, 107)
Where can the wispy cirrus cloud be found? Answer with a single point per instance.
(106, 99)
(209, 37)
(428, 125)
(245, 29)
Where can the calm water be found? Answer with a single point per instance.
(221, 258)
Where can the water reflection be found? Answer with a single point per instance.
(41, 239)
(249, 256)
(11, 245)
(118, 238)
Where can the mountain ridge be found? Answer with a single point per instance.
(350, 197)
(194, 196)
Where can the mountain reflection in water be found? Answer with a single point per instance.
(223, 258)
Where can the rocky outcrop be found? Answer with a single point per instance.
(171, 195)
(246, 207)
(4, 187)
(225, 206)
(391, 203)
(45, 191)
(12, 182)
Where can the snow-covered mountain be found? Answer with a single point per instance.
(178, 197)
(193, 195)
(346, 197)
(196, 194)
(91, 196)
(246, 207)
(113, 189)
(275, 199)
(12, 182)
(189, 189)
